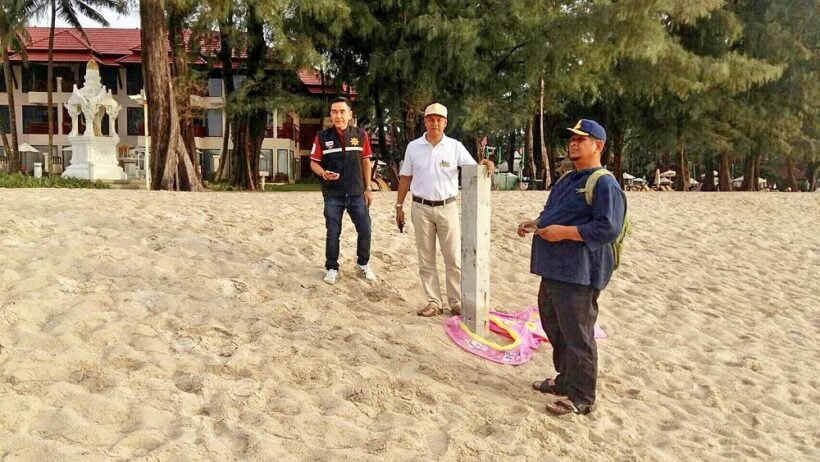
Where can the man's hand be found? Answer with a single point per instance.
(368, 197)
(400, 219)
(527, 227)
(555, 233)
(330, 176)
(490, 166)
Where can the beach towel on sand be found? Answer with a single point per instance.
(523, 329)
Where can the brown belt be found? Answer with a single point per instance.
(433, 203)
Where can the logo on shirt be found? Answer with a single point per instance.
(445, 164)
(328, 144)
(354, 141)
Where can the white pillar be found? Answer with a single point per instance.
(475, 248)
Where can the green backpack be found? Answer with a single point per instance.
(589, 190)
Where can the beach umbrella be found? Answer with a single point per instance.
(668, 174)
(628, 176)
(25, 147)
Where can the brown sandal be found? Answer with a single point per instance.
(566, 406)
(563, 406)
(547, 386)
(430, 310)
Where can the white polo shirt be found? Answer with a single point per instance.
(434, 168)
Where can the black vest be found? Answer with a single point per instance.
(346, 160)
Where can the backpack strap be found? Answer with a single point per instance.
(592, 180)
(564, 175)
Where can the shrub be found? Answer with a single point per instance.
(18, 180)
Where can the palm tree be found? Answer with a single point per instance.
(70, 11)
(14, 15)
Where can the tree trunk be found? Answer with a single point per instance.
(811, 175)
(617, 156)
(171, 167)
(791, 181)
(724, 175)
(682, 175)
(751, 171)
(377, 101)
(544, 158)
(529, 152)
(49, 88)
(708, 184)
(250, 128)
(225, 52)
(14, 159)
(182, 82)
(511, 153)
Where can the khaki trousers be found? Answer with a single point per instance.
(443, 223)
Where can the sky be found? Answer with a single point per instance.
(130, 21)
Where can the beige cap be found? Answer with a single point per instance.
(437, 109)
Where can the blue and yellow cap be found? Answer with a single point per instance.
(588, 127)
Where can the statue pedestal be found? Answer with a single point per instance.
(94, 158)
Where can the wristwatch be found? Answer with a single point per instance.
(398, 206)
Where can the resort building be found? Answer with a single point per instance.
(117, 52)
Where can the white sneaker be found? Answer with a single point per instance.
(331, 275)
(366, 272)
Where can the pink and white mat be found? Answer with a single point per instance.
(522, 328)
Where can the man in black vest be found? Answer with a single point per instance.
(341, 158)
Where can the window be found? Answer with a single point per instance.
(283, 160)
(4, 120)
(265, 161)
(35, 120)
(214, 87)
(35, 78)
(209, 159)
(214, 118)
(110, 77)
(209, 125)
(136, 121)
(133, 80)
(67, 73)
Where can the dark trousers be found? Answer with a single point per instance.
(568, 313)
(356, 207)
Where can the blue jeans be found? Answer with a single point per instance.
(360, 215)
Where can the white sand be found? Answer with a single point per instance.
(163, 326)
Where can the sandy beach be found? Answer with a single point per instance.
(161, 326)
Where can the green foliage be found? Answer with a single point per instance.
(18, 180)
(309, 185)
(301, 186)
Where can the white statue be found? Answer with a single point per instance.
(94, 156)
(93, 101)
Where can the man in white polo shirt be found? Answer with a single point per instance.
(430, 172)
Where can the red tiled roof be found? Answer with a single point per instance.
(130, 59)
(63, 40)
(60, 57)
(113, 47)
(102, 40)
(313, 79)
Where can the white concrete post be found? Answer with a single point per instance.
(475, 248)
